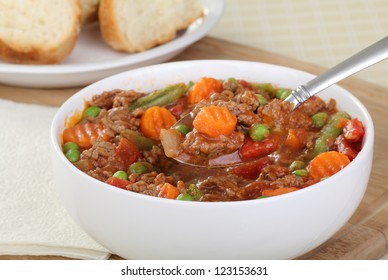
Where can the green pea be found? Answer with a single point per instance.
(183, 129)
(297, 164)
(140, 168)
(70, 146)
(137, 168)
(185, 196)
(261, 99)
(282, 93)
(194, 192)
(300, 172)
(73, 155)
(121, 175)
(232, 80)
(258, 132)
(92, 111)
(264, 86)
(320, 119)
(262, 196)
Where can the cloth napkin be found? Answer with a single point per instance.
(32, 218)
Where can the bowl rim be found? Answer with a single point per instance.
(57, 121)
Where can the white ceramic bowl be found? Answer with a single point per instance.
(137, 226)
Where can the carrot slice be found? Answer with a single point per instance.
(168, 191)
(202, 89)
(83, 134)
(327, 164)
(214, 121)
(279, 191)
(154, 119)
(295, 138)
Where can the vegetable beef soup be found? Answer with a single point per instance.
(125, 138)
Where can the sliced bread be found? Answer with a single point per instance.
(89, 10)
(137, 25)
(38, 31)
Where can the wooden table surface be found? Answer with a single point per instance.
(365, 236)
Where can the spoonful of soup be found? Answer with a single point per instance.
(237, 122)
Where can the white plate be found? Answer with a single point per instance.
(92, 59)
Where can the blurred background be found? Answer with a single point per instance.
(320, 32)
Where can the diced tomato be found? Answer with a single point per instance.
(179, 106)
(251, 170)
(257, 149)
(343, 146)
(177, 110)
(245, 84)
(354, 130)
(117, 182)
(126, 152)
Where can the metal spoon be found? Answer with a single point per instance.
(361, 60)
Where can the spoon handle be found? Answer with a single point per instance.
(361, 60)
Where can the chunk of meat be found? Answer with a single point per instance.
(115, 98)
(276, 114)
(312, 106)
(120, 119)
(197, 144)
(220, 188)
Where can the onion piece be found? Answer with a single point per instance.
(171, 140)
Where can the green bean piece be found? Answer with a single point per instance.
(92, 111)
(329, 132)
(262, 196)
(188, 86)
(183, 129)
(73, 155)
(160, 97)
(70, 146)
(141, 142)
(300, 172)
(258, 132)
(185, 196)
(194, 192)
(297, 164)
(282, 93)
(320, 119)
(121, 175)
(264, 86)
(261, 99)
(140, 167)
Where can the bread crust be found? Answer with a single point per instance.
(42, 54)
(89, 10)
(109, 26)
(115, 38)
